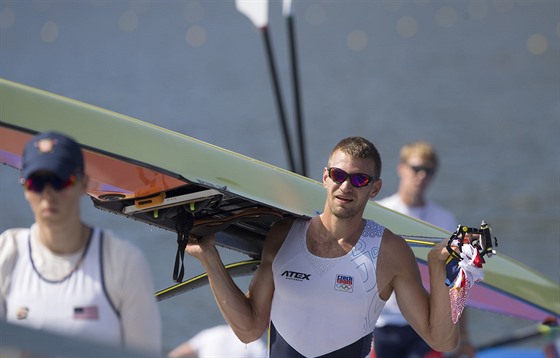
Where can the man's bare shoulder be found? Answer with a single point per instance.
(395, 258)
(392, 242)
(276, 237)
(282, 225)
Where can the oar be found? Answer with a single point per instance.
(288, 14)
(546, 328)
(236, 269)
(422, 240)
(257, 12)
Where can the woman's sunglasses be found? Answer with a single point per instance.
(357, 180)
(37, 183)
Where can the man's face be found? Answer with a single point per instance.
(343, 199)
(416, 174)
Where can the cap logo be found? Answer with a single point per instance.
(46, 145)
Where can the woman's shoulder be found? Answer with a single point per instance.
(120, 251)
(10, 238)
(8, 254)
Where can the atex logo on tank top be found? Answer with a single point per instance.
(296, 276)
(344, 283)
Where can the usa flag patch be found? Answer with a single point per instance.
(88, 312)
(344, 283)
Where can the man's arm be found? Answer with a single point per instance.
(465, 348)
(428, 313)
(247, 314)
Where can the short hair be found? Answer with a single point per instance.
(423, 149)
(360, 148)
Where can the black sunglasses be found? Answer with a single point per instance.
(419, 168)
(37, 183)
(357, 180)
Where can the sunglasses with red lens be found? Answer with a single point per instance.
(357, 180)
(37, 183)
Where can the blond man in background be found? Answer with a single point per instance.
(417, 167)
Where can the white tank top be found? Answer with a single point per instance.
(75, 305)
(432, 213)
(323, 304)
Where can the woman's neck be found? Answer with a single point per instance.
(63, 240)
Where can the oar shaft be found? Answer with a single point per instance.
(422, 240)
(296, 94)
(278, 97)
(236, 269)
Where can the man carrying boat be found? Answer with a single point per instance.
(323, 282)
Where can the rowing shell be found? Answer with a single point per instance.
(211, 189)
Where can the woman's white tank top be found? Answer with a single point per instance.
(76, 305)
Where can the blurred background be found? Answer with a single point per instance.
(479, 79)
